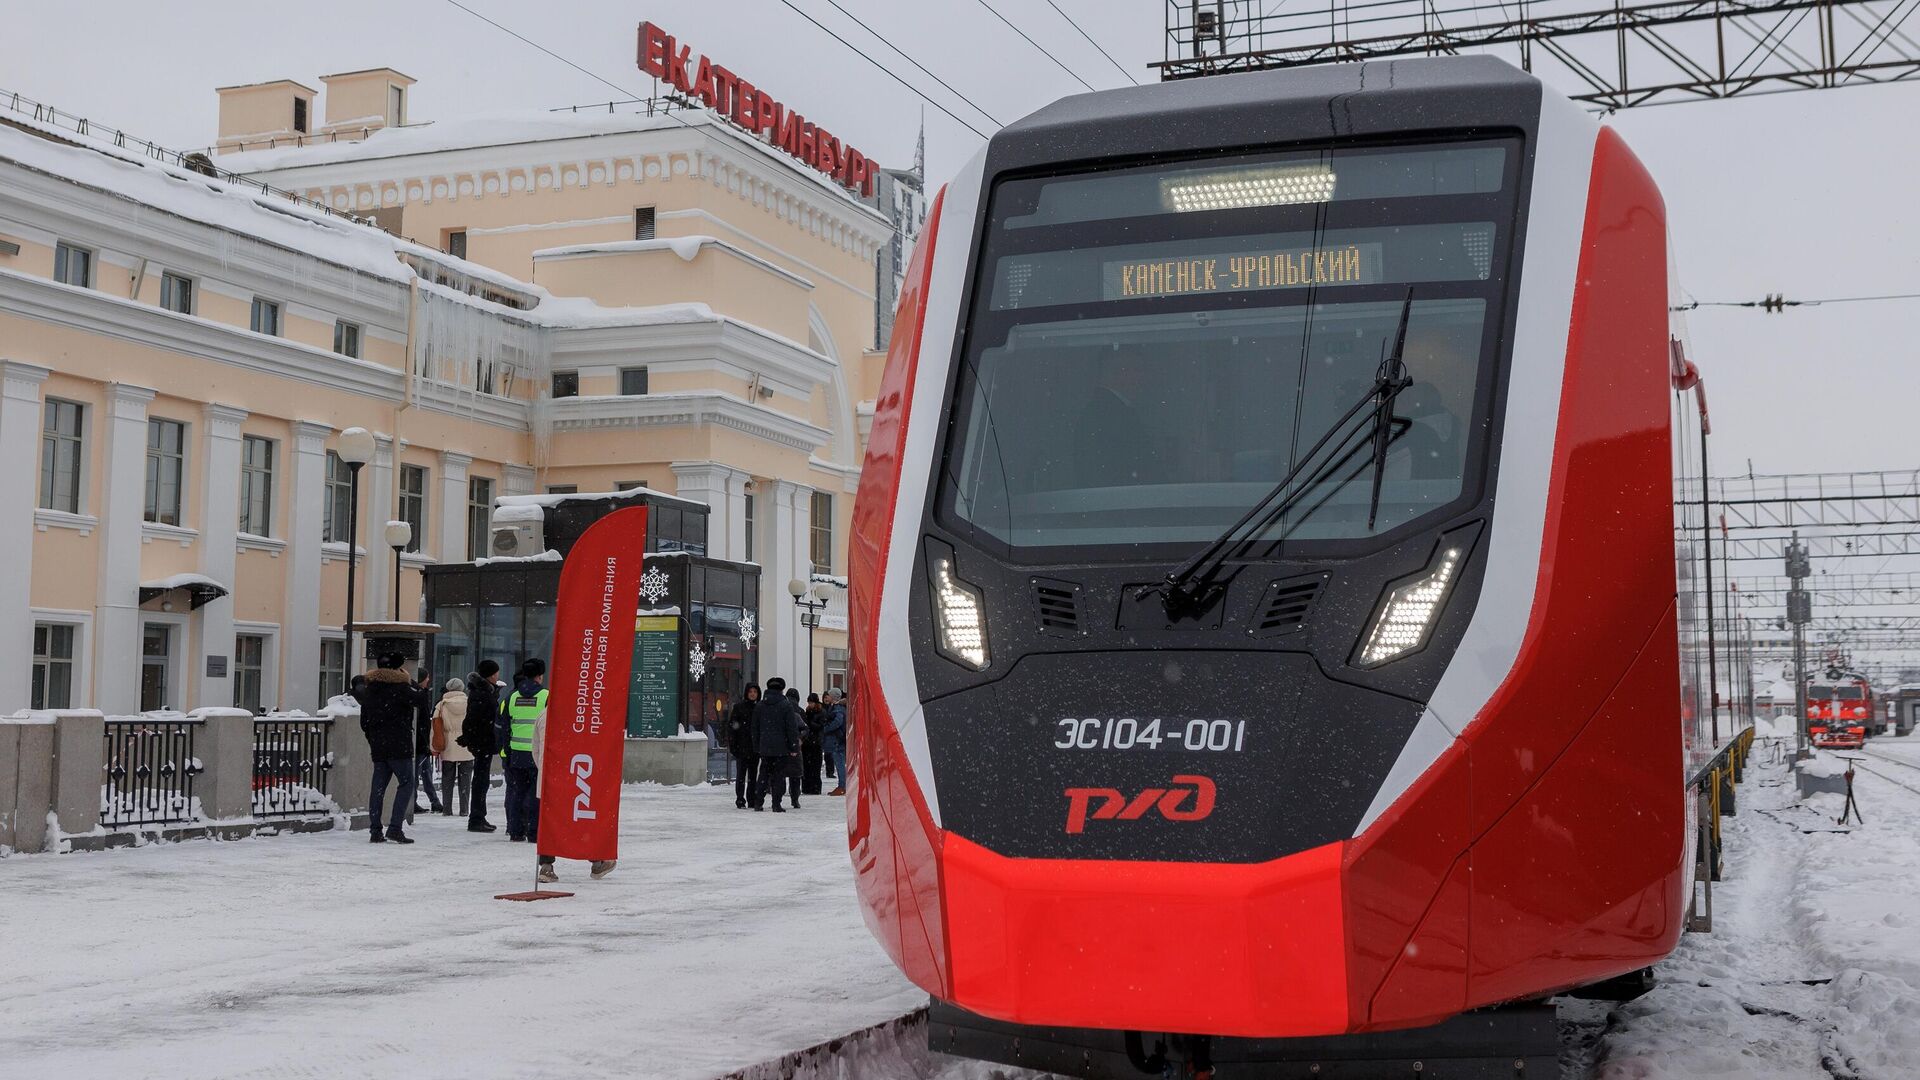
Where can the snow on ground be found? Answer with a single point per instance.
(1813, 966)
(725, 938)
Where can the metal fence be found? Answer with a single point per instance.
(292, 758)
(150, 769)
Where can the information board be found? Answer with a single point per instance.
(653, 704)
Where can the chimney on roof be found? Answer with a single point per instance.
(362, 102)
(259, 116)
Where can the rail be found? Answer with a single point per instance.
(149, 771)
(292, 762)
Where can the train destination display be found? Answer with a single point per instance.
(1346, 264)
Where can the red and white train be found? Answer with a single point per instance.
(1264, 601)
(1841, 711)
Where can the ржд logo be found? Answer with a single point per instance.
(1190, 799)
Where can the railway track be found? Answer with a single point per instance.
(1909, 780)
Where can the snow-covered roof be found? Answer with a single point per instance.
(548, 555)
(275, 220)
(520, 127)
(182, 581)
(210, 201)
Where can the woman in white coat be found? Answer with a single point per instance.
(456, 761)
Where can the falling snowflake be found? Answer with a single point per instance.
(653, 585)
(747, 630)
(696, 661)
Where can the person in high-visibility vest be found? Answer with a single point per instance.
(525, 708)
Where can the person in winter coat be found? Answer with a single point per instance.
(746, 760)
(423, 745)
(478, 738)
(778, 725)
(388, 705)
(456, 762)
(524, 708)
(833, 741)
(810, 750)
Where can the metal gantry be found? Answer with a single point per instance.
(1612, 57)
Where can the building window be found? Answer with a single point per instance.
(643, 223)
(396, 105)
(73, 265)
(346, 338)
(53, 665)
(633, 381)
(479, 515)
(821, 548)
(166, 470)
(256, 486)
(249, 671)
(747, 556)
(266, 317)
(413, 504)
(156, 666)
(566, 384)
(336, 510)
(333, 668)
(628, 485)
(456, 243)
(300, 115)
(563, 489)
(176, 293)
(60, 456)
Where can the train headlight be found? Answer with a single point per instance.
(959, 611)
(1235, 189)
(1407, 616)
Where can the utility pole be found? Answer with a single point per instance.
(1799, 614)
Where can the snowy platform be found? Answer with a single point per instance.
(725, 938)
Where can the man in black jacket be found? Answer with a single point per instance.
(478, 736)
(387, 709)
(778, 725)
(746, 759)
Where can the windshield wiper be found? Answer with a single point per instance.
(1192, 581)
(1388, 382)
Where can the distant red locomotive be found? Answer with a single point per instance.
(1263, 579)
(1840, 711)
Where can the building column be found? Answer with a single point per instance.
(116, 613)
(723, 489)
(19, 443)
(786, 517)
(219, 523)
(516, 479)
(453, 506)
(300, 634)
(377, 508)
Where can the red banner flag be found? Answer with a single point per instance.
(587, 699)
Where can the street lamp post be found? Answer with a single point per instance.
(399, 535)
(355, 450)
(810, 604)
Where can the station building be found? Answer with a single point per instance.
(541, 304)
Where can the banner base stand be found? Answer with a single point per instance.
(537, 894)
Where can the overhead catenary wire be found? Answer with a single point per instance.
(904, 55)
(890, 73)
(1084, 34)
(1023, 36)
(1774, 302)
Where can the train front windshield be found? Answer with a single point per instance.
(1150, 350)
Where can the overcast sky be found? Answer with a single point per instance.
(1808, 194)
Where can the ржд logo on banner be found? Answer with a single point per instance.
(587, 699)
